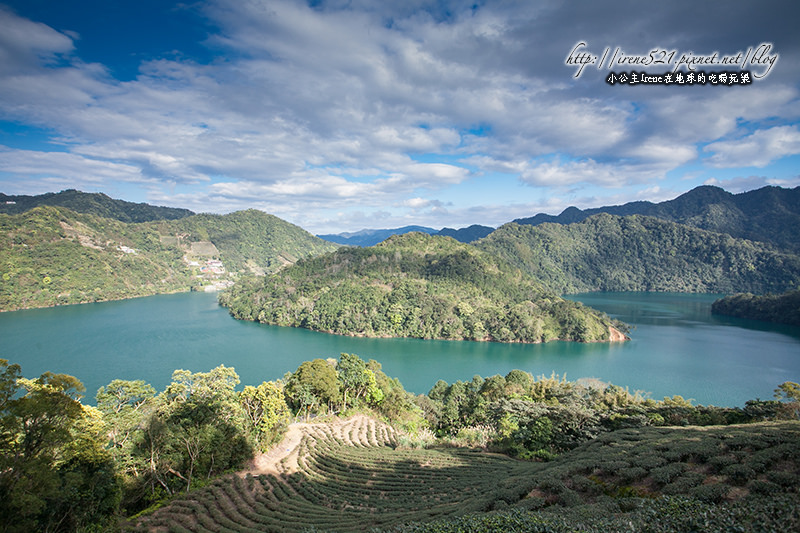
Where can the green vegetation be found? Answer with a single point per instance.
(415, 285)
(638, 253)
(251, 240)
(603, 458)
(782, 308)
(54, 256)
(718, 479)
(97, 204)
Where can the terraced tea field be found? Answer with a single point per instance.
(352, 476)
(345, 477)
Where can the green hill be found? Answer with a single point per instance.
(637, 253)
(97, 204)
(251, 240)
(769, 214)
(53, 255)
(781, 308)
(415, 285)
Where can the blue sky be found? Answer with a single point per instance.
(342, 115)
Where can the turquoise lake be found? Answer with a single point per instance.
(677, 347)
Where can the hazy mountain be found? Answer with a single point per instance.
(94, 204)
(769, 214)
(468, 234)
(371, 237)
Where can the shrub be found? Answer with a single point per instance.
(711, 493)
(760, 486)
(784, 479)
(739, 474)
(665, 474)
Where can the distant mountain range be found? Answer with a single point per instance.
(640, 253)
(769, 214)
(72, 247)
(371, 237)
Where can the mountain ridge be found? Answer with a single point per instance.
(743, 215)
(640, 253)
(99, 204)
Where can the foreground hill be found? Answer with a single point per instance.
(97, 204)
(353, 476)
(416, 285)
(769, 214)
(53, 255)
(637, 253)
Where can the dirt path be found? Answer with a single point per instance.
(270, 462)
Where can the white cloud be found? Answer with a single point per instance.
(71, 169)
(756, 150)
(374, 106)
(24, 43)
(749, 183)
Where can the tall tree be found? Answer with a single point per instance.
(54, 473)
(266, 410)
(314, 382)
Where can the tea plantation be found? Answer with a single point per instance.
(355, 476)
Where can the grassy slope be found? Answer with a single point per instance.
(638, 253)
(650, 479)
(415, 285)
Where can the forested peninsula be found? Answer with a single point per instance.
(421, 286)
(778, 308)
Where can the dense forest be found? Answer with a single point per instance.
(54, 256)
(67, 466)
(416, 285)
(638, 253)
(779, 308)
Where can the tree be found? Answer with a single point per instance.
(125, 406)
(358, 380)
(789, 392)
(313, 383)
(266, 409)
(197, 426)
(54, 472)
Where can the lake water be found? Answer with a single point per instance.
(677, 347)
